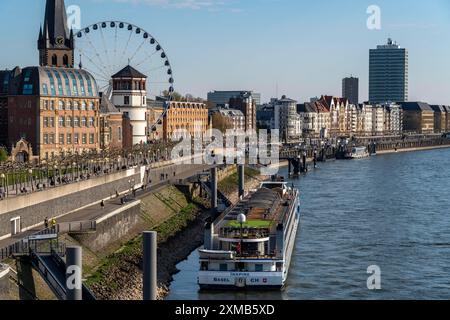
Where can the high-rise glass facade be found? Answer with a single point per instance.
(388, 73)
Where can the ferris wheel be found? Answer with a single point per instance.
(104, 48)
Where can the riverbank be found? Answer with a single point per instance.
(413, 149)
(116, 273)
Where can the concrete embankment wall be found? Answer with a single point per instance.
(4, 282)
(112, 227)
(33, 208)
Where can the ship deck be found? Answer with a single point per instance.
(264, 209)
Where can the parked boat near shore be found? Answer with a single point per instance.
(250, 245)
(357, 153)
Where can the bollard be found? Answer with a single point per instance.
(214, 189)
(241, 174)
(150, 265)
(74, 271)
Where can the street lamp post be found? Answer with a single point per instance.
(30, 172)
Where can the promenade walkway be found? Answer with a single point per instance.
(95, 212)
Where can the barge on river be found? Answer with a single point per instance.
(250, 245)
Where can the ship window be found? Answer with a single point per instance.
(204, 266)
(223, 267)
(259, 268)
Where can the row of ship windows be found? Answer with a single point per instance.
(69, 122)
(67, 139)
(50, 105)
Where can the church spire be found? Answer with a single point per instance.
(56, 43)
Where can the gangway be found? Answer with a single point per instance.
(52, 268)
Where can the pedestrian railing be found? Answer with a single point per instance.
(32, 242)
(50, 278)
(76, 227)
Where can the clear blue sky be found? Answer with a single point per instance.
(305, 47)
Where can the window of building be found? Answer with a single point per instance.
(61, 138)
(91, 122)
(60, 105)
(45, 122)
(69, 122)
(91, 106)
(84, 138)
(45, 138)
(66, 60)
(126, 100)
(83, 121)
(51, 138)
(89, 84)
(91, 138)
(27, 89)
(69, 138)
(45, 104)
(51, 122)
(74, 83)
(61, 122)
(76, 138)
(76, 106)
(67, 81)
(76, 122)
(83, 93)
(69, 106)
(54, 60)
(120, 134)
(52, 105)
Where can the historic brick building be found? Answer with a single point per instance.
(417, 117)
(116, 131)
(245, 103)
(189, 116)
(53, 107)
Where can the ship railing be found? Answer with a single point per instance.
(236, 234)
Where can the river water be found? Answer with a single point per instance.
(392, 211)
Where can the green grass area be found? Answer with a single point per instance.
(251, 224)
(230, 184)
(133, 247)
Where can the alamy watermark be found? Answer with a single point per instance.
(73, 280)
(374, 19)
(73, 17)
(374, 280)
(232, 147)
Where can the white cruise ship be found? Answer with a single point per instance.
(250, 245)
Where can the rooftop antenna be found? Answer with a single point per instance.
(81, 63)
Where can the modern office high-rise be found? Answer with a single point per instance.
(223, 97)
(388, 73)
(350, 89)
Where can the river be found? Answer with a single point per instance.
(392, 211)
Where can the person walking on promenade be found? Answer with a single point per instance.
(46, 222)
(102, 204)
(53, 223)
